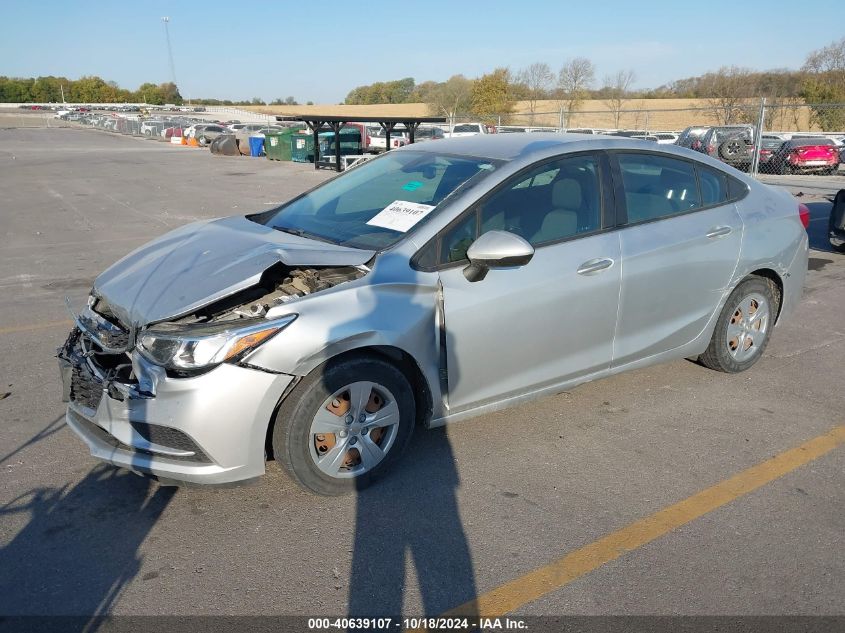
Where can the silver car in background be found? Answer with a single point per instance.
(435, 283)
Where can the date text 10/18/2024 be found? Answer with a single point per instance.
(428, 624)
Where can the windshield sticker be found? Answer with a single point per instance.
(400, 215)
(412, 185)
(486, 166)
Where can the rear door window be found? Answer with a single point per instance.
(657, 186)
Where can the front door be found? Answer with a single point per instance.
(523, 328)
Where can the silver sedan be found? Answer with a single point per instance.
(435, 283)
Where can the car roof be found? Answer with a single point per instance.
(530, 146)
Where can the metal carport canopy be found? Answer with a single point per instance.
(317, 122)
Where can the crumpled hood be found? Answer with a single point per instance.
(203, 262)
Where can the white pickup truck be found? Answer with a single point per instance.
(467, 129)
(378, 139)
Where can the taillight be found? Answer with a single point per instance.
(804, 214)
(696, 145)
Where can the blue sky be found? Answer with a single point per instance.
(321, 50)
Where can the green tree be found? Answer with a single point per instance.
(170, 93)
(492, 95)
(149, 93)
(824, 86)
(398, 91)
(13, 90)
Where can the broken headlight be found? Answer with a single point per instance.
(194, 347)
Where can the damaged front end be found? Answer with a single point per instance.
(96, 357)
(102, 351)
(177, 398)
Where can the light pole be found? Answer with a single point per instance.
(166, 21)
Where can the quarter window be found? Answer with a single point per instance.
(714, 186)
(657, 186)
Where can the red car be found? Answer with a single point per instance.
(805, 155)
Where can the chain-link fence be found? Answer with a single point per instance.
(18, 118)
(797, 138)
(779, 136)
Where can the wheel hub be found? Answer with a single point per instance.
(354, 429)
(747, 327)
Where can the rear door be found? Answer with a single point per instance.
(680, 246)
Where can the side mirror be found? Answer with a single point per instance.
(496, 249)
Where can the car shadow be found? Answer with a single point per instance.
(408, 524)
(56, 425)
(78, 549)
(412, 515)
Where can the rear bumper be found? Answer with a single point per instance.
(793, 280)
(207, 429)
(818, 167)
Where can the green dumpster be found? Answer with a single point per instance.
(350, 143)
(302, 147)
(277, 145)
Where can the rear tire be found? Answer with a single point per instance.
(744, 326)
(325, 399)
(732, 149)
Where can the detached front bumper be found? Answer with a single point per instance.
(205, 429)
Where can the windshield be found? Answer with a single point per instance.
(806, 142)
(375, 204)
(466, 127)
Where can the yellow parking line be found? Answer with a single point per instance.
(533, 585)
(35, 326)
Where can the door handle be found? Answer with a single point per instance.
(593, 266)
(719, 231)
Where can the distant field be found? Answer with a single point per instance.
(651, 114)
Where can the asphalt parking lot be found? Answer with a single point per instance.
(473, 512)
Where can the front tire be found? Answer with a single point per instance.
(345, 425)
(744, 326)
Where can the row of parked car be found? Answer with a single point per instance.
(780, 153)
